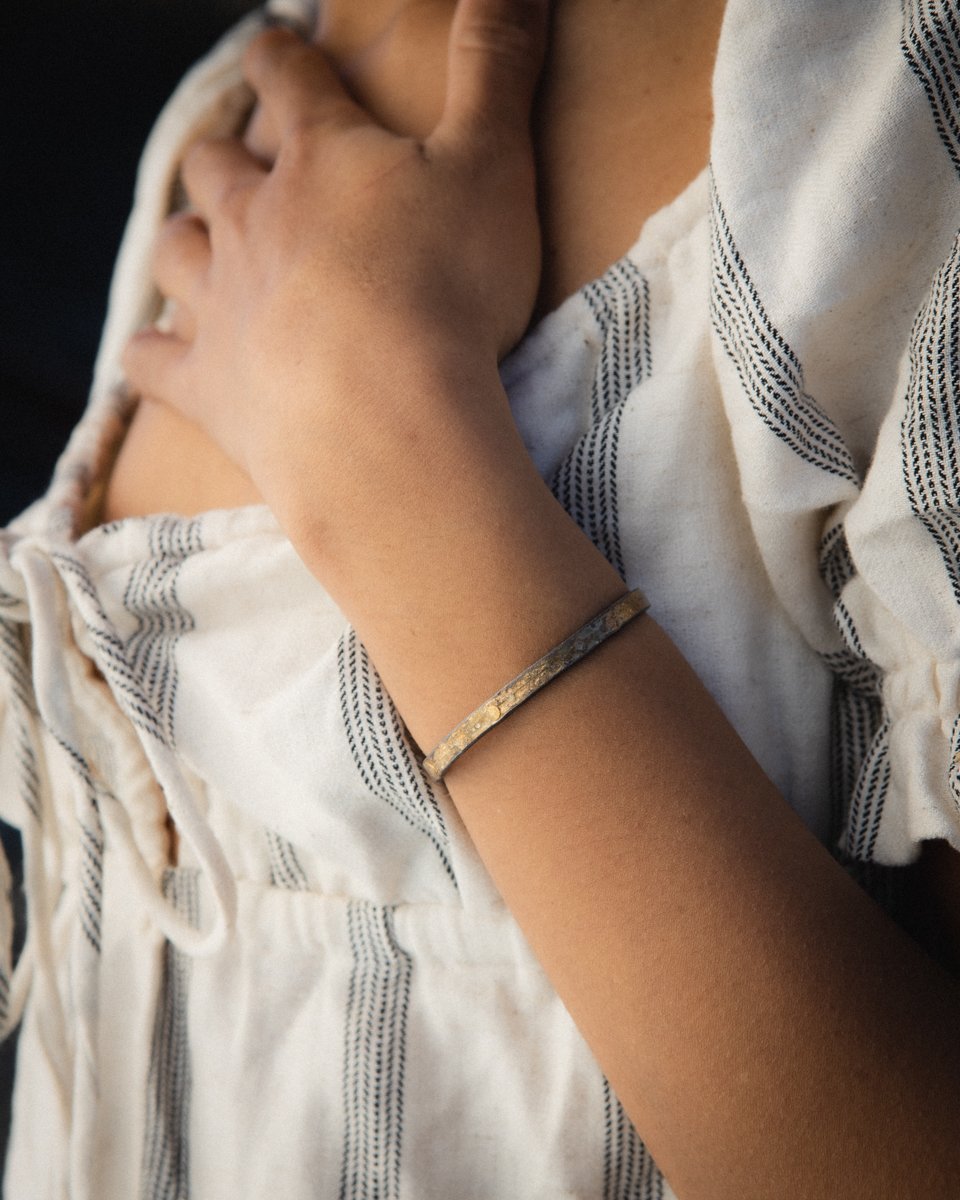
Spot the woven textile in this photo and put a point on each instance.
(754, 415)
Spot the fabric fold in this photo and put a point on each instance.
(745, 413)
(59, 670)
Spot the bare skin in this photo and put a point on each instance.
(623, 124)
(769, 1031)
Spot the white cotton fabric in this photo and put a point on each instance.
(754, 414)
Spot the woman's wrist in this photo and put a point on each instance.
(475, 575)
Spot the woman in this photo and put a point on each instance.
(342, 288)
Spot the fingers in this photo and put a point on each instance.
(296, 85)
(215, 172)
(496, 54)
(151, 361)
(181, 258)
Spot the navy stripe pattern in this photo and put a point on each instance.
(931, 46)
(91, 875)
(381, 749)
(866, 809)
(835, 562)
(955, 762)
(857, 716)
(4, 1001)
(9, 600)
(769, 370)
(374, 1052)
(142, 672)
(91, 842)
(629, 1172)
(859, 766)
(285, 869)
(166, 1152)
(14, 663)
(151, 596)
(930, 433)
(15, 667)
(109, 649)
(585, 483)
(856, 722)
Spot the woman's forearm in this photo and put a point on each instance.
(769, 1030)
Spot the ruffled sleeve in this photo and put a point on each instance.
(902, 606)
(836, 313)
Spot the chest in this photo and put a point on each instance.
(621, 125)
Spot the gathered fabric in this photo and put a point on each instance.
(753, 414)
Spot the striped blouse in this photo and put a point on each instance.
(754, 414)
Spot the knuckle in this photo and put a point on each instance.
(279, 58)
(298, 145)
(195, 162)
(231, 203)
(209, 173)
(311, 133)
(265, 48)
(178, 242)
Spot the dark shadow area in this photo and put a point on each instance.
(80, 84)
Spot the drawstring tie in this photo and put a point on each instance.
(46, 589)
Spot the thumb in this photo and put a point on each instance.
(496, 53)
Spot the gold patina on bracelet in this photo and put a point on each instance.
(577, 646)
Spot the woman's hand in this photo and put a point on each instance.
(356, 258)
(341, 314)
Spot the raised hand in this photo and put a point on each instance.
(304, 286)
(341, 314)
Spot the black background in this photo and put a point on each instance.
(80, 84)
